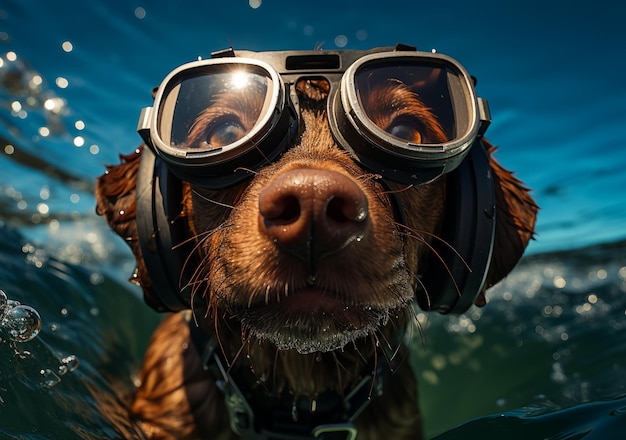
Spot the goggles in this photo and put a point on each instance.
(406, 115)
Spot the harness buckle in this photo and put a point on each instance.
(330, 432)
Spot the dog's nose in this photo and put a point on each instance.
(312, 213)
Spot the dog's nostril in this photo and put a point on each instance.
(335, 210)
(343, 210)
(285, 210)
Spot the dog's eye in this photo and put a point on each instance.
(408, 129)
(223, 132)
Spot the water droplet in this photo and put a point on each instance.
(49, 378)
(70, 362)
(23, 323)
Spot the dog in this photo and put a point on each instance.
(304, 279)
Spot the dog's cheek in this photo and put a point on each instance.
(240, 257)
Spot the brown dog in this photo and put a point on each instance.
(306, 278)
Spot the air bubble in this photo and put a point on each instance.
(22, 323)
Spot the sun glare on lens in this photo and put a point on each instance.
(239, 80)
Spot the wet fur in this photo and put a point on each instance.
(238, 268)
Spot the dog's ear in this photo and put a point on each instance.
(515, 222)
(115, 200)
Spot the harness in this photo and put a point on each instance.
(256, 415)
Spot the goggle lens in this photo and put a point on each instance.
(217, 108)
(413, 101)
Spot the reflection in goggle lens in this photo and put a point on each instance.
(410, 102)
(213, 110)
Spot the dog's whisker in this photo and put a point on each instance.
(198, 238)
(338, 368)
(375, 372)
(397, 191)
(215, 202)
(218, 337)
(384, 340)
(419, 327)
(235, 358)
(423, 288)
(439, 257)
(249, 170)
(416, 234)
(368, 177)
(197, 273)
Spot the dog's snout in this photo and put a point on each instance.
(313, 213)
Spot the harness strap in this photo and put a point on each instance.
(294, 424)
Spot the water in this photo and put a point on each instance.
(544, 360)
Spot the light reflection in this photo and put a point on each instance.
(559, 282)
(54, 105)
(43, 208)
(67, 46)
(79, 141)
(341, 41)
(240, 80)
(140, 13)
(62, 83)
(54, 225)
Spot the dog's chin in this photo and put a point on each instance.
(311, 321)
